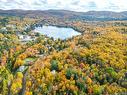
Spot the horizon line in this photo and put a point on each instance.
(63, 10)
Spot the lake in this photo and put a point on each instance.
(57, 32)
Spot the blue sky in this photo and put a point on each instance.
(74, 5)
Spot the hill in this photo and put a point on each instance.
(71, 15)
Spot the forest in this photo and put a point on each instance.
(93, 63)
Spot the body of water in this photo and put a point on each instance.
(57, 32)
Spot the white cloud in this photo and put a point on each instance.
(74, 5)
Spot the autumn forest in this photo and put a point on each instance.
(93, 63)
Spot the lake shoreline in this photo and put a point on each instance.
(58, 32)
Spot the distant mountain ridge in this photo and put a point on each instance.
(72, 15)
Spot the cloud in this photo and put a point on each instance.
(74, 5)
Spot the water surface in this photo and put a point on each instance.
(57, 32)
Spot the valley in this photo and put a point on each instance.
(58, 52)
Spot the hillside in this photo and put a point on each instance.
(71, 15)
(93, 63)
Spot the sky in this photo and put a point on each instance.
(73, 5)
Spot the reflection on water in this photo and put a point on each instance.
(57, 32)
